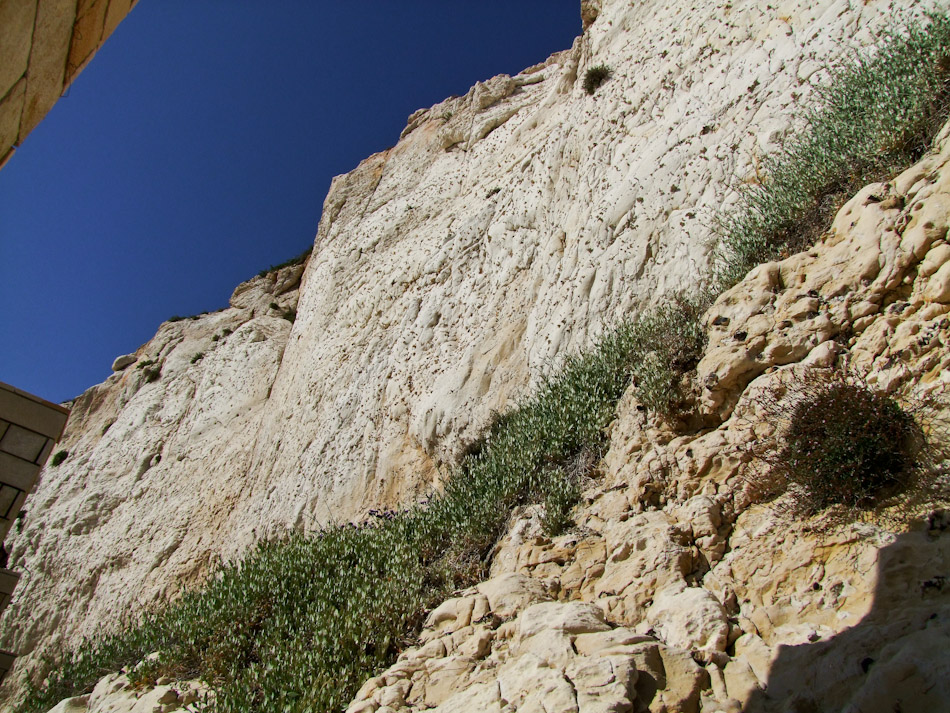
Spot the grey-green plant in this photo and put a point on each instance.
(296, 260)
(302, 621)
(875, 113)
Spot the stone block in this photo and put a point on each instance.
(31, 412)
(17, 472)
(51, 35)
(87, 35)
(16, 34)
(11, 107)
(118, 9)
(22, 443)
(4, 157)
(8, 582)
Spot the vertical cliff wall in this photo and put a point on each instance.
(504, 229)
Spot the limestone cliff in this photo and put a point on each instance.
(505, 228)
(678, 592)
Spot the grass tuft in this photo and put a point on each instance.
(595, 76)
(296, 260)
(58, 458)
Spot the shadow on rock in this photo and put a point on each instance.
(896, 659)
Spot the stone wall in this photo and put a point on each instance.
(44, 45)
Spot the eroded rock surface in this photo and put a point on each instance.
(678, 591)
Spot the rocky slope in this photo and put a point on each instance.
(505, 228)
(678, 590)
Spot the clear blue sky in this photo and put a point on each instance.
(197, 147)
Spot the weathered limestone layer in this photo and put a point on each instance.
(677, 591)
(506, 228)
(44, 45)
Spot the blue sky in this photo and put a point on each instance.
(197, 147)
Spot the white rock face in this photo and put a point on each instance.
(506, 228)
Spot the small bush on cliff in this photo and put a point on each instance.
(838, 442)
(668, 342)
(847, 444)
(875, 114)
(58, 458)
(595, 76)
(296, 260)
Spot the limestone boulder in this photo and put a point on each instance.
(689, 618)
(121, 362)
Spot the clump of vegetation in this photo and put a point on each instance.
(595, 76)
(289, 314)
(562, 489)
(59, 457)
(296, 260)
(197, 357)
(875, 114)
(191, 317)
(152, 374)
(839, 442)
(303, 621)
(669, 342)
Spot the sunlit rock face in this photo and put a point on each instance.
(505, 229)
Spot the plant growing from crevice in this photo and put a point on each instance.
(838, 443)
(296, 260)
(59, 457)
(595, 76)
(668, 342)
